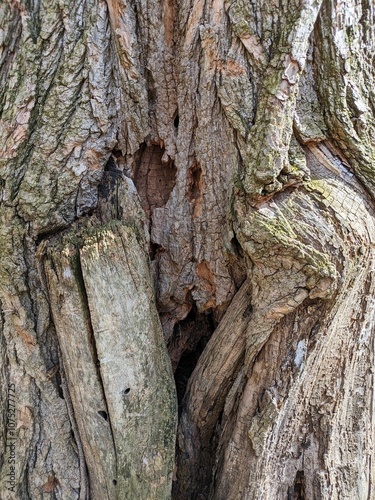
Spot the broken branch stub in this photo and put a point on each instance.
(104, 310)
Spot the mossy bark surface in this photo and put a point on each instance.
(187, 184)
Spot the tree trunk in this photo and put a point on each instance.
(187, 188)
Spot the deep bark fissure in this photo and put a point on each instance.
(191, 336)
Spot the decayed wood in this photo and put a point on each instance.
(134, 364)
(118, 371)
(73, 327)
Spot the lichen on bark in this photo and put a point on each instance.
(246, 130)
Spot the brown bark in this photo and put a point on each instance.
(205, 170)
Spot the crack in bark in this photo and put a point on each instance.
(84, 493)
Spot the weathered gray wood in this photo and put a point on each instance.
(77, 344)
(118, 371)
(134, 365)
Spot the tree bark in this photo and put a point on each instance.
(187, 187)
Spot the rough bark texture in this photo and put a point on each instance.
(203, 169)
